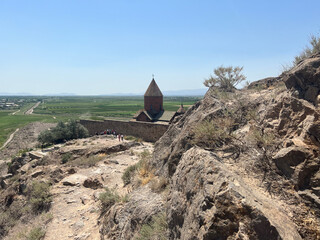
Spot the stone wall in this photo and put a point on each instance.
(149, 132)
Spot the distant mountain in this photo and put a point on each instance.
(15, 94)
(186, 93)
(60, 94)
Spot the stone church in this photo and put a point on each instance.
(153, 107)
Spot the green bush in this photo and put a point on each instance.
(128, 174)
(66, 157)
(36, 234)
(226, 78)
(39, 196)
(63, 132)
(156, 229)
(108, 198)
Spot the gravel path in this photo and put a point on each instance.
(30, 111)
(9, 139)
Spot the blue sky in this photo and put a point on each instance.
(101, 47)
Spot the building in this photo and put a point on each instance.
(153, 107)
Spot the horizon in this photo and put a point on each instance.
(167, 93)
(105, 47)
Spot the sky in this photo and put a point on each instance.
(93, 47)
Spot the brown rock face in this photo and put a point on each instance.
(123, 221)
(287, 158)
(216, 194)
(305, 78)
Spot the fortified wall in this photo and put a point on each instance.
(149, 132)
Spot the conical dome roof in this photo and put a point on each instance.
(153, 90)
(181, 109)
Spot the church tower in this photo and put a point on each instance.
(153, 99)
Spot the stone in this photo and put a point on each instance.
(71, 170)
(122, 221)
(305, 78)
(287, 158)
(74, 180)
(36, 155)
(84, 199)
(37, 173)
(92, 183)
(78, 225)
(3, 184)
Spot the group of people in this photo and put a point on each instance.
(112, 132)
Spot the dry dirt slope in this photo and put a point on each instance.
(94, 163)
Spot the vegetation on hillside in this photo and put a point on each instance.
(226, 78)
(63, 132)
(314, 47)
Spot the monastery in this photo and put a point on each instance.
(153, 107)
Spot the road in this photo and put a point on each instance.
(9, 139)
(30, 111)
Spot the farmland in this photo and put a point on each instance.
(53, 109)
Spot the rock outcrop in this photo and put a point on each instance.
(305, 78)
(261, 183)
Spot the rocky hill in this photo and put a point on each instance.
(241, 165)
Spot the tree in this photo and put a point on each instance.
(226, 78)
(63, 132)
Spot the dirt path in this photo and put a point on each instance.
(9, 139)
(30, 111)
(14, 113)
(75, 208)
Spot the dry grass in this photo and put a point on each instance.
(141, 172)
(85, 161)
(158, 184)
(213, 133)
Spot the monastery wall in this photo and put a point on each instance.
(149, 132)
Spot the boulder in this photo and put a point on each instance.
(305, 78)
(288, 158)
(92, 183)
(37, 173)
(74, 180)
(122, 221)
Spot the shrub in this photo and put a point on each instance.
(262, 139)
(36, 234)
(66, 157)
(130, 138)
(39, 196)
(128, 174)
(108, 198)
(63, 132)
(142, 169)
(226, 78)
(309, 50)
(213, 133)
(159, 184)
(85, 161)
(156, 229)
(6, 222)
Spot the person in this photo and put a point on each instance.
(122, 137)
(119, 137)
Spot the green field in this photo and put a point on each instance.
(53, 109)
